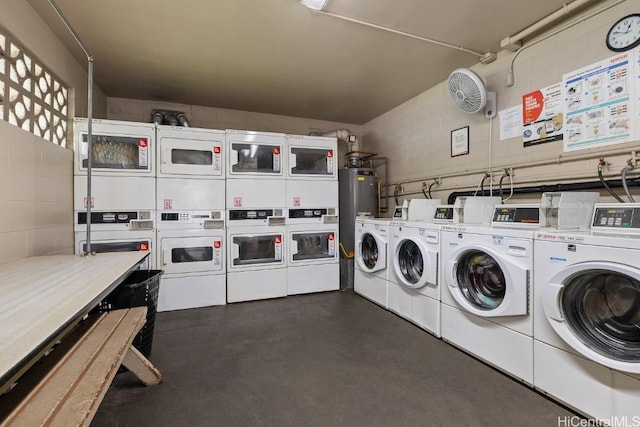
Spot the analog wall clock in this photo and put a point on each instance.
(624, 34)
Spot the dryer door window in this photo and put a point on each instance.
(195, 254)
(410, 261)
(311, 161)
(481, 280)
(369, 251)
(602, 308)
(256, 158)
(255, 250)
(116, 152)
(312, 246)
(191, 157)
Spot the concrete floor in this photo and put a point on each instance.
(331, 359)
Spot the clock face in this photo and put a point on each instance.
(624, 34)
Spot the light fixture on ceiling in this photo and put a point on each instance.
(318, 7)
(314, 4)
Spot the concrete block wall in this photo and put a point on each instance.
(36, 183)
(415, 136)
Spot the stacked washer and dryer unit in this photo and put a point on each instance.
(256, 213)
(190, 206)
(122, 187)
(587, 315)
(312, 214)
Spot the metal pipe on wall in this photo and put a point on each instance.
(545, 162)
(89, 112)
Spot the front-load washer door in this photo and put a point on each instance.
(486, 284)
(414, 265)
(595, 308)
(372, 253)
(192, 254)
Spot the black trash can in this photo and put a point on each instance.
(139, 289)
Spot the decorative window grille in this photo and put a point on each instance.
(31, 96)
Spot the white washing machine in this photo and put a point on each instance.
(486, 308)
(370, 276)
(256, 256)
(193, 261)
(119, 241)
(587, 314)
(313, 263)
(119, 148)
(414, 283)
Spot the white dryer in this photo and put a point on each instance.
(414, 285)
(193, 261)
(186, 152)
(370, 277)
(119, 241)
(256, 260)
(486, 309)
(313, 264)
(587, 314)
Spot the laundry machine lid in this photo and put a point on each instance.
(372, 252)
(487, 284)
(595, 308)
(414, 264)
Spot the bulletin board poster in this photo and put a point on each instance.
(599, 103)
(542, 115)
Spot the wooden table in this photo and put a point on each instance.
(41, 298)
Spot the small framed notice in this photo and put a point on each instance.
(460, 141)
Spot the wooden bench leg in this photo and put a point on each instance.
(141, 367)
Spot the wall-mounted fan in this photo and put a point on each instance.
(469, 94)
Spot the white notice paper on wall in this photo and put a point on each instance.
(510, 122)
(600, 103)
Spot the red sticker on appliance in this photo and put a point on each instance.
(84, 202)
(276, 150)
(278, 240)
(330, 153)
(217, 244)
(217, 150)
(143, 142)
(237, 202)
(168, 203)
(144, 246)
(296, 201)
(331, 236)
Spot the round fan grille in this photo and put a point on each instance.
(467, 90)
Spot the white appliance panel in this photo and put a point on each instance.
(372, 287)
(182, 292)
(119, 148)
(255, 193)
(256, 284)
(311, 194)
(425, 312)
(190, 194)
(115, 193)
(304, 279)
(400, 300)
(190, 152)
(505, 349)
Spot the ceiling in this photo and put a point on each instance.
(277, 56)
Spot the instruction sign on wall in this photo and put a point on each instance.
(600, 102)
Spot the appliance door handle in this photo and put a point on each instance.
(551, 301)
(453, 266)
(294, 247)
(166, 256)
(293, 159)
(235, 156)
(164, 158)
